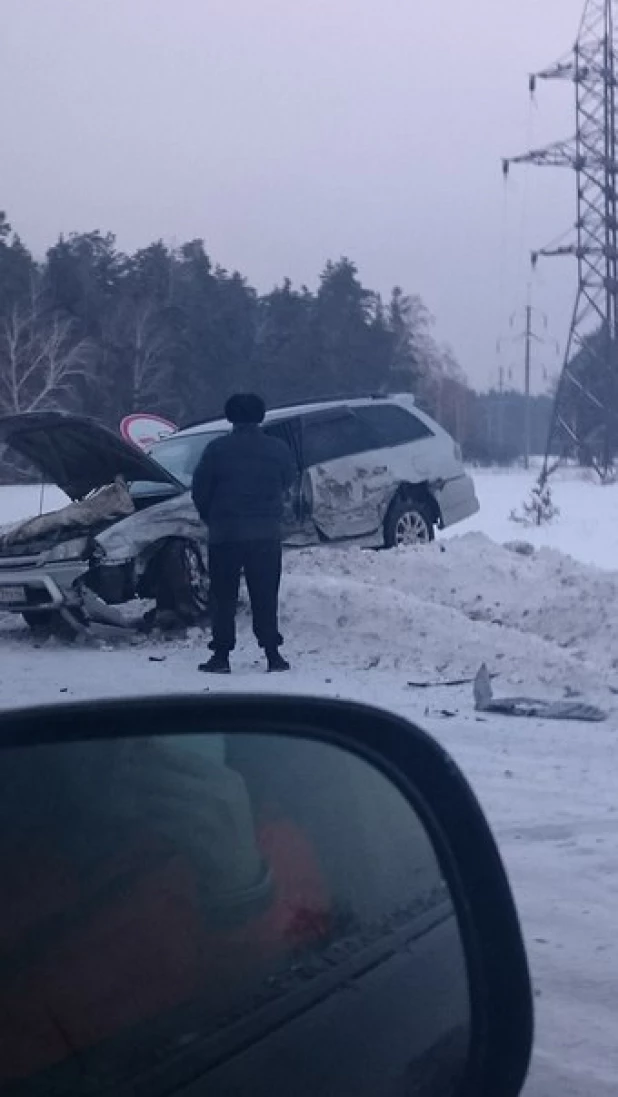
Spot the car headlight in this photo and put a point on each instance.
(68, 550)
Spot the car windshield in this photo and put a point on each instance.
(178, 455)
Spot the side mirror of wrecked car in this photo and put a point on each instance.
(250, 895)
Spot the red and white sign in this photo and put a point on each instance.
(144, 430)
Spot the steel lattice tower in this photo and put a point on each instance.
(585, 416)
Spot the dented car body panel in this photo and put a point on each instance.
(352, 494)
(349, 499)
(137, 537)
(356, 459)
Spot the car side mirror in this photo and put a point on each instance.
(250, 895)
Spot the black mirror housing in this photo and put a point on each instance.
(498, 981)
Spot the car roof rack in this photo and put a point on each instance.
(331, 399)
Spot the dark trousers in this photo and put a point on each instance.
(261, 563)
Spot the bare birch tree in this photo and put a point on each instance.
(42, 363)
(137, 336)
(149, 358)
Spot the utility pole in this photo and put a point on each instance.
(585, 416)
(501, 408)
(527, 386)
(529, 336)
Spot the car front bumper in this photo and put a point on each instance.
(26, 586)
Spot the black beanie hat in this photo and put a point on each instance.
(245, 408)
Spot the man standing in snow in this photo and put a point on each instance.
(238, 491)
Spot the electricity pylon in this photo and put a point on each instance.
(585, 417)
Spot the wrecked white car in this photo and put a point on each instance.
(372, 471)
(54, 569)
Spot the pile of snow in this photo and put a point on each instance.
(543, 620)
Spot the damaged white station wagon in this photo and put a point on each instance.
(375, 471)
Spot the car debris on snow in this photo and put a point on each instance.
(528, 706)
(437, 683)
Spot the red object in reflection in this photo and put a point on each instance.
(144, 951)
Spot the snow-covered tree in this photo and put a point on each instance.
(538, 509)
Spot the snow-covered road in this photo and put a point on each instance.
(365, 625)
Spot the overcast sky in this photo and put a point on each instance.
(286, 132)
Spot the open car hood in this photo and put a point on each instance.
(78, 454)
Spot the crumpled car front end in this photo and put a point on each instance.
(138, 556)
(40, 583)
(45, 561)
(52, 570)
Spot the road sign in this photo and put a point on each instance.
(144, 430)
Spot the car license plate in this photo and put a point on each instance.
(12, 596)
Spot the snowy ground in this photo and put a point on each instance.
(365, 625)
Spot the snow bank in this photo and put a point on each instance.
(543, 621)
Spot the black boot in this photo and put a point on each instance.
(276, 663)
(219, 663)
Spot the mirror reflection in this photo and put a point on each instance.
(250, 914)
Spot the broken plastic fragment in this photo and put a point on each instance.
(527, 706)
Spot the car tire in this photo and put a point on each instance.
(182, 586)
(41, 625)
(409, 522)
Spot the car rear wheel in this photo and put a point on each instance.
(182, 587)
(408, 522)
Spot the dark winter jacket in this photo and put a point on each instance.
(240, 483)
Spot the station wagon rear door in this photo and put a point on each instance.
(351, 484)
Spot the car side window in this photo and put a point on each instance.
(394, 425)
(338, 435)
